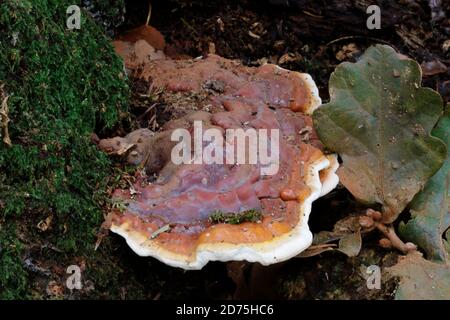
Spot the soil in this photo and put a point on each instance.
(311, 37)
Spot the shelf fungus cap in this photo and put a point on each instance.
(267, 241)
(193, 213)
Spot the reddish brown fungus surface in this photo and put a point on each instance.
(169, 217)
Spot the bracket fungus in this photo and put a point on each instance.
(169, 217)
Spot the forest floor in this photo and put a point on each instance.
(311, 37)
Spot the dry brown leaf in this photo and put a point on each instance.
(4, 119)
(43, 225)
(421, 279)
(147, 33)
(350, 244)
(346, 52)
(315, 250)
(346, 230)
(431, 68)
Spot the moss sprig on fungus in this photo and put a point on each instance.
(62, 86)
(251, 215)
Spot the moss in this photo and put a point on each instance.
(13, 278)
(62, 86)
(251, 215)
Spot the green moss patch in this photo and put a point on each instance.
(62, 86)
(251, 215)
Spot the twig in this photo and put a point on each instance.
(189, 26)
(163, 229)
(312, 14)
(4, 117)
(152, 122)
(147, 111)
(359, 37)
(321, 246)
(372, 221)
(395, 241)
(149, 13)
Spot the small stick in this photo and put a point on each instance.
(147, 111)
(149, 13)
(372, 220)
(359, 37)
(152, 122)
(396, 242)
(4, 118)
(189, 26)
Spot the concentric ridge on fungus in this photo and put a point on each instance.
(168, 219)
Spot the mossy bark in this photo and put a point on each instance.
(62, 86)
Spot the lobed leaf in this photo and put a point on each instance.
(430, 208)
(421, 279)
(379, 121)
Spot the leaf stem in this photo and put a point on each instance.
(373, 220)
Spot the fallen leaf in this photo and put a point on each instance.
(211, 48)
(43, 225)
(55, 289)
(421, 279)
(347, 51)
(137, 53)
(431, 68)
(4, 117)
(253, 35)
(346, 231)
(437, 10)
(315, 250)
(350, 244)
(413, 37)
(430, 208)
(446, 45)
(379, 122)
(221, 25)
(147, 33)
(289, 57)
